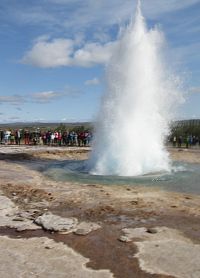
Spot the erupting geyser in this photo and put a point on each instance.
(136, 109)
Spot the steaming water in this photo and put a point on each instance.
(136, 109)
(184, 177)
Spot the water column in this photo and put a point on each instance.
(136, 108)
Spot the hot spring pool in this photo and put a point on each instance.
(184, 177)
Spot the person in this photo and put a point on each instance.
(179, 141)
(52, 138)
(7, 137)
(17, 137)
(190, 140)
(187, 142)
(56, 137)
(26, 137)
(59, 138)
(64, 138)
(1, 136)
(44, 138)
(12, 138)
(174, 141)
(48, 137)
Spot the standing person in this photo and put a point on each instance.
(17, 137)
(26, 137)
(89, 138)
(12, 138)
(56, 137)
(7, 136)
(1, 136)
(52, 138)
(174, 141)
(75, 139)
(64, 138)
(59, 138)
(187, 142)
(48, 137)
(44, 138)
(197, 140)
(190, 140)
(179, 141)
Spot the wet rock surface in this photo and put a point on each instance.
(165, 251)
(55, 223)
(42, 257)
(124, 231)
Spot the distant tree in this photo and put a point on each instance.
(62, 127)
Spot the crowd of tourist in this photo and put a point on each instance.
(73, 138)
(187, 141)
(50, 138)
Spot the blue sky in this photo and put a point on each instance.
(53, 54)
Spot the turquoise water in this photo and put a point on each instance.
(184, 177)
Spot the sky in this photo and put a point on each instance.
(53, 54)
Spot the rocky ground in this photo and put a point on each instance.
(63, 229)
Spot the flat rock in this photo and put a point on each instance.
(42, 257)
(7, 207)
(85, 228)
(55, 223)
(12, 217)
(165, 251)
(130, 234)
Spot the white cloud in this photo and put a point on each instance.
(49, 53)
(61, 2)
(14, 118)
(39, 97)
(44, 97)
(91, 17)
(93, 53)
(62, 52)
(14, 99)
(94, 81)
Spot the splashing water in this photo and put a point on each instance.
(137, 108)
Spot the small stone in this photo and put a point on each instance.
(188, 198)
(152, 219)
(80, 232)
(26, 201)
(85, 228)
(152, 231)
(47, 247)
(124, 239)
(143, 221)
(18, 219)
(134, 202)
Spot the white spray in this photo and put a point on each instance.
(136, 109)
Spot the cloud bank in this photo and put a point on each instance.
(59, 52)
